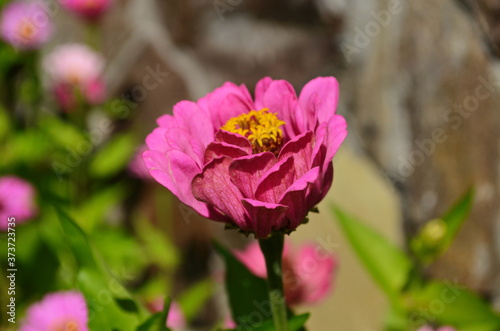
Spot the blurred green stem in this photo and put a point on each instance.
(272, 248)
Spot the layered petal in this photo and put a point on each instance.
(319, 99)
(195, 120)
(227, 101)
(214, 187)
(246, 172)
(276, 181)
(263, 216)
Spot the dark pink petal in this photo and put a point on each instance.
(233, 139)
(226, 102)
(315, 268)
(179, 139)
(195, 120)
(321, 187)
(280, 97)
(264, 217)
(260, 90)
(301, 147)
(247, 171)
(295, 198)
(319, 99)
(276, 181)
(175, 171)
(216, 149)
(214, 186)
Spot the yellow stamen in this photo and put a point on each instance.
(260, 127)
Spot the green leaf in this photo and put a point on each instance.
(452, 304)
(295, 323)
(437, 235)
(113, 157)
(387, 264)
(192, 300)
(248, 297)
(64, 135)
(157, 322)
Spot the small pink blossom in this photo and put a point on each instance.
(25, 25)
(443, 328)
(75, 70)
(307, 273)
(57, 311)
(88, 9)
(259, 164)
(175, 319)
(17, 199)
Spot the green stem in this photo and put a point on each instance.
(272, 248)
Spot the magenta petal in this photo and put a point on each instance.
(319, 98)
(295, 198)
(179, 139)
(301, 149)
(253, 259)
(276, 181)
(175, 171)
(226, 102)
(233, 139)
(156, 140)
(167, 121)
(263, 216)
(329, 137)
(194, 120)
(216, 150)
(214, 186)
(260, 90)
(247, 171)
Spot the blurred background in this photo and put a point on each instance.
(419, 87)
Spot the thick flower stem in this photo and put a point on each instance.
(272, 248)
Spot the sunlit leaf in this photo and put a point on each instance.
(113, 157)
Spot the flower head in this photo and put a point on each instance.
(17, 199)
(75, 70)
(57, 311)
(88, 9)
(258, 164)
(25, 25)
(307, 273)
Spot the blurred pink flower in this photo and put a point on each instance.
(17, 199)
(136, 167)
(307, 273)
(57, 311)
(88, 9)
(259, 164)
(443, 328)
(175, 317)
(75, 70)
(25, 25)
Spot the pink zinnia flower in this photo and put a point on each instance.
(25, 25)
(57, 311)
(17, 199)
(175, 317)
(88, 9)
(258, 164)
(75, 70)
(307, 273)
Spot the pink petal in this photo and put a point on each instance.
(179, 139)
(194, 120)
(175, 171)
(276, 181)
(264, 217)
(233, 139)
(295, 198)
(226, 102)
(301, 149)
(218, 149)
(247, 171)
(253, 259)
(319, 98)
(156, 140)
(167, 121)
(260, 90)
(214, 186)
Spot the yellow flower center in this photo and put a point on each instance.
(67, 326)
(27, 30)
(260, 127)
